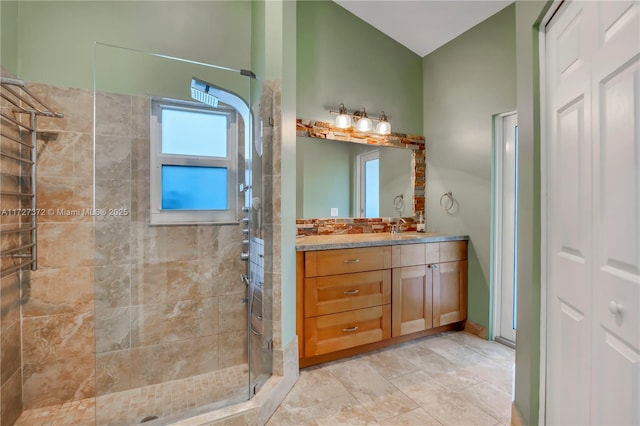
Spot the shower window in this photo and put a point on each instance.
(193, 169)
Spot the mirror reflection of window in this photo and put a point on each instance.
(369, 182)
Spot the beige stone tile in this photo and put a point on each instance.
(112, 286)
(226, 273)
(378, 395)
(315, 385)
(10, 399)
(149, 283)
(10, 355)
(494, 373)
(64, 199)
(232, 313)
(140, 200)
(457, 379)
(65, 245)
(113, 371)
(342, 411)
(291, 416)
(417, 417)
(113, 157)
(189, 357)
(389, 365)
(232, 348)
(490, 399)
(489, 349)
(113, 114)
(58, 291)
(113, 329)
(458, 354)
(189, 280)
(446, 406)
(146, 367)
(55, 337)
(147, 325)
(185, 319)
(58, 381)
(113, 196)
(9, 300)
(427, 361)
(140, 116)
(112, 244)
(75, 104)
(55, 153)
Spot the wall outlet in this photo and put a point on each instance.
(334, 212)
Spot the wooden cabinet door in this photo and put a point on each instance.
(449, 292)
(411, 300)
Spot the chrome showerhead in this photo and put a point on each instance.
(200, 91)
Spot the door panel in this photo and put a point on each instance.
(593, 213)
(569, 218)
(616, 278)
(411, 299)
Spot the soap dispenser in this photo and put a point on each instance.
(420, 225)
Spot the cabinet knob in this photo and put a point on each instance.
(348, 292)
(350, 329)
(615, 308)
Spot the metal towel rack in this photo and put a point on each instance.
(22, 103)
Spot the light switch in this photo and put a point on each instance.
(334, 212)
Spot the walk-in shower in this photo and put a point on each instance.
(149, 303)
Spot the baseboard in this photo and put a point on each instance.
(516, 418)
(475, 329)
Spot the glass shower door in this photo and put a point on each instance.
(171, 317)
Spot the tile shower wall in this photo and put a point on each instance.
(10, 342)
(165, 301)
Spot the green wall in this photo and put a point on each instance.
(342, 59)
(56, 38)
(9, 14)
(466, 82)
(527, 375)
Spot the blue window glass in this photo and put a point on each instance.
(189, 132)
(194, 188)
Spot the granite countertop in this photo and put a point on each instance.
(329, 242)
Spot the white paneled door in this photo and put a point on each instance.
(593, 213)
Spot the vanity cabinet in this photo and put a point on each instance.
(357, 299)
(347, 299)
(429, 286)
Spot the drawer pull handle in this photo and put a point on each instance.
(352, 261)
(350, 329)
(349, 292)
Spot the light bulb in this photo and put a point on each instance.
(383, 127)
(364, 123)
(343, 120)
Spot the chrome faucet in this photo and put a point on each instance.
(399, 227)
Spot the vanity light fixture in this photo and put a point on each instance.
(343, 120)
(363, 123)
(383, 127)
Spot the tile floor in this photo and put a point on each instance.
(449, 379)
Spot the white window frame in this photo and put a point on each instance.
(361, 160)
(159, 216)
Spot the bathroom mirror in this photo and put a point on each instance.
(328, 179)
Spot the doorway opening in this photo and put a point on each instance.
(505, 224)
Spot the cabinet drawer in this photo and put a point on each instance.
(414, 254)
(338, 293)
(345, 261)
(452, 251)
(330, 333)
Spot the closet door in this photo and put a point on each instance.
(593, 213)
(615, 88)
(569, 250)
